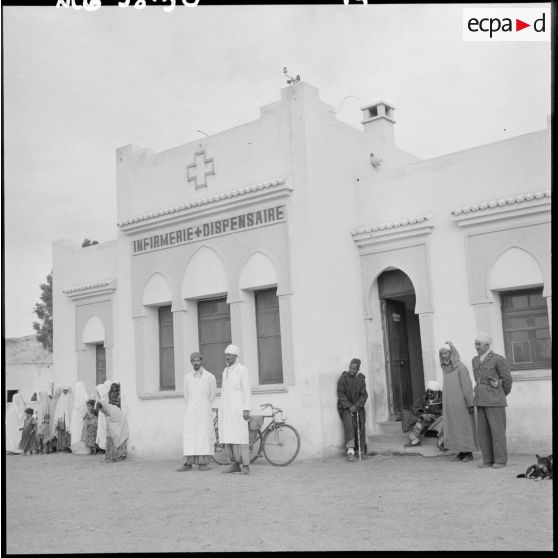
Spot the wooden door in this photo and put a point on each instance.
(397, 357)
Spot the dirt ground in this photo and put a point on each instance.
(66, 503)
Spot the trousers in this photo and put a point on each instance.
(239, 453)
(491, 427)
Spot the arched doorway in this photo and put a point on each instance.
(402, 342)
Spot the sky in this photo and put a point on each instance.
(77, 85)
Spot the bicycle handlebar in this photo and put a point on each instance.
(265, 405)
(274, 410)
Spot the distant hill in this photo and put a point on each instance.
(26, 350)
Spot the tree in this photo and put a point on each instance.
(86, 242)
(44, 313)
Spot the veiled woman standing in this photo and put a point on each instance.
(458, 410)
(52, 411)
(101, 440)
(62, 420)
(78, 412)
(14, 421)
(116, 429)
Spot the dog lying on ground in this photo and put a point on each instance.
(542, 469)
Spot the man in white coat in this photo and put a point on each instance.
(200, 388)
(235, 411)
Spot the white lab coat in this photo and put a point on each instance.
(199, 393)
(235, 397)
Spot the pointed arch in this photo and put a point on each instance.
(157, 291)
(257, 272)
(516, 267)
(205, 275)
(421, 290)
(94, 331)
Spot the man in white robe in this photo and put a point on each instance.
(200, 388)
(234, 412)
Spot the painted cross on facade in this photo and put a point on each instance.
(200, 170)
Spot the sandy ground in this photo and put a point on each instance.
(65, 503)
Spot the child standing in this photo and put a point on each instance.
(28, 435)
(114, 394)
(43, 423)
(90, 427)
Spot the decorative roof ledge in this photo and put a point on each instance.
(503, 208)
(91, 289)
(404, 228)
(232, 198)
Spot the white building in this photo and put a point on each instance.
(307, 242)
(28, 368)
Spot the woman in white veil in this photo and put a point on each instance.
(76, 422)
(14, 421)
(63, 419)
(102, 393)
(117, 432)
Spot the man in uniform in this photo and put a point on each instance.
(235, 412)
(351, 397)
(493, 384)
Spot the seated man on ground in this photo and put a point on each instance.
(425, 416)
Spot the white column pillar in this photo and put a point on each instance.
(139, 326)
(287, 349)
(181, 351)
(429, 363)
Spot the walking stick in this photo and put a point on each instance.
(358, 434)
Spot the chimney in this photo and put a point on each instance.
(377, 121)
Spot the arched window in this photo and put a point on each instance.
(517, 278)
(157, 301)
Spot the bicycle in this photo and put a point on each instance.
(278, 442)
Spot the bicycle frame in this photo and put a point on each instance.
(262, 433)
(264, 439)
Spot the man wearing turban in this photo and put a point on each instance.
(200, 388)
(234, 412)
(493, 383)
(459, 418)
(351, 397)
(425, 416)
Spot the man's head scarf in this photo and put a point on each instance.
(433, 385)
(194, 355)
(232, 350)
(454, 353)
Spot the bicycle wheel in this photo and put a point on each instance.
(255, 447)
(281, 444)
(220, 455)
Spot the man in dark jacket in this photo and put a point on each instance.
(493, 382)
(351, 397)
